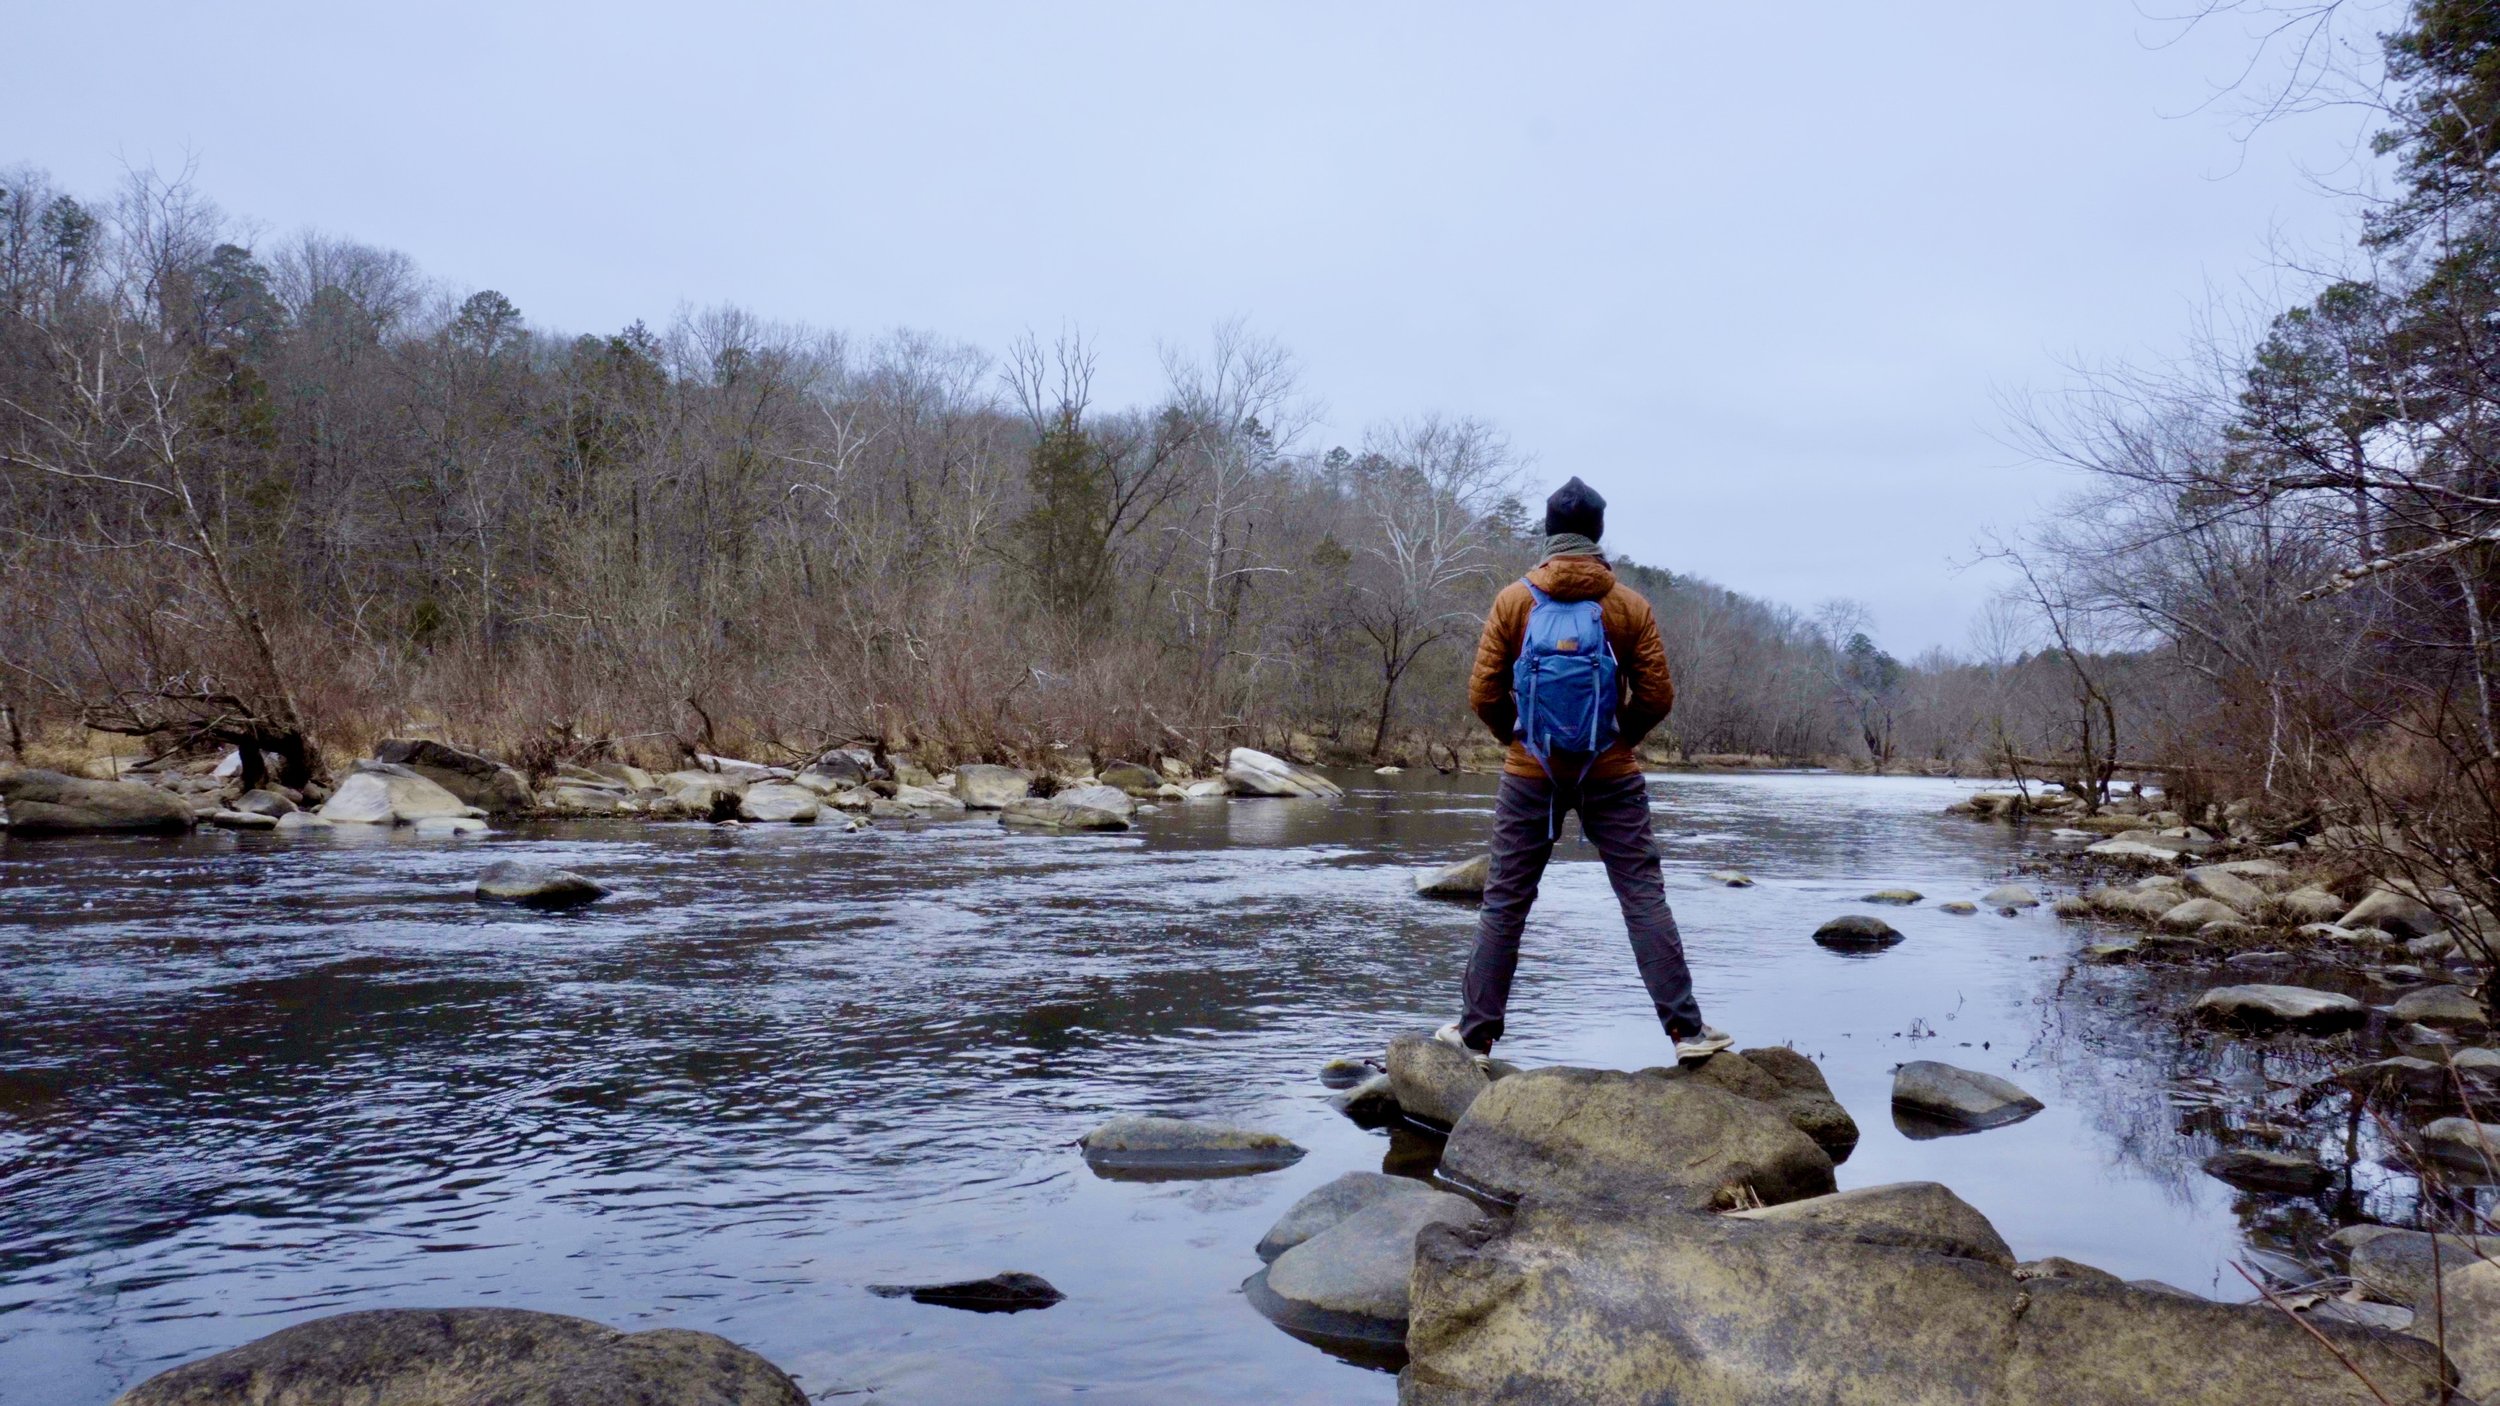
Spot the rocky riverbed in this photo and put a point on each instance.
(262, 1078)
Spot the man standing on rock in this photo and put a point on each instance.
(1570, 674)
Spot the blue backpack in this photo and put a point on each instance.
(1564, 682)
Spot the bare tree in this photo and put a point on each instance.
(1425, 488)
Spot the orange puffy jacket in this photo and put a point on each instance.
(1632, 630)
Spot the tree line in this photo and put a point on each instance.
(2301, 519)
(293, 494)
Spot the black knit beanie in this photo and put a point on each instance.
(1576, 507)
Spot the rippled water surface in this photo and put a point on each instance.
(246, 1081)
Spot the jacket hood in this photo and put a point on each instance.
(1574, 578)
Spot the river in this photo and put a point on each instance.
(246, 1081)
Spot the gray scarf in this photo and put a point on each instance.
(1570, 544)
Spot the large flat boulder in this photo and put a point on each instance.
(46, 803)
(476, 779)
(981, 786)
(470, 1357)
(1250, 772)
(2440, 1007)
(779, 801)
(386, 793)
(2267, 1007)
(2222, 884)
(1621, 1303)
(1564, 1132)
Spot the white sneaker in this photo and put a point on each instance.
(1710, 1041)
(1448, 1035)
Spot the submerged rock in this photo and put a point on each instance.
(537, 885)
(1155, 1148)
(2010, 896)
(242, 820)
(440, 826)
(422, 1356)
(1465, 879)
(2260, 1007)
(1349, 1280)
(1332, 1203)
(1959, 907)
(2255, 1169)
(1899, 897)
(1731, 878)
(39, 802)
(1963, 1097)
(1434, 1081)
(1565, 1132)
(1011, 1292)
(1857, 932)
(1249, 772)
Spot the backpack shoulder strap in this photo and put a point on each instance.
(1541, 597)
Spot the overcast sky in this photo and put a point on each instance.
(1757, 272)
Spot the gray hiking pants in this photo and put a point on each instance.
(1614, 815)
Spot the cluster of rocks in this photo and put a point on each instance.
(441, 789)
(2068, 813)
(1677, 1234)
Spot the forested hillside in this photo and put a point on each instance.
(293, 489)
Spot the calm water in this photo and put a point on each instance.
(246, 1081)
